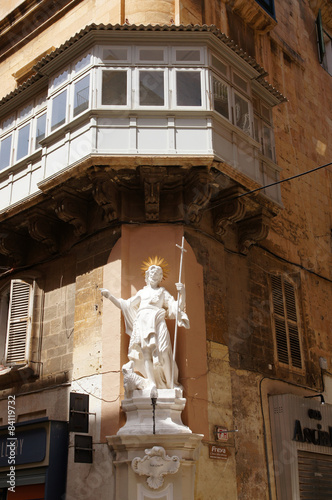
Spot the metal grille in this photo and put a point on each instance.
(315, 476)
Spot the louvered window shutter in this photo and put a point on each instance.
(19, 320)
(286, 322)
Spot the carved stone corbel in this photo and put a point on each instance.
(72, 210)
(230, 211)
(198, 191)
(152, 178)
(105, 195)
(43, 229)
(12, 245)
(252, 230)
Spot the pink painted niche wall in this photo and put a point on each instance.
(123, 277)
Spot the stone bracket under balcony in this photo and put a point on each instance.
(212, 198)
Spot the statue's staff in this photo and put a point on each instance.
(177, 309)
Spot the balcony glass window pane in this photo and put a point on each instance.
(151, 88)
(40, 129)
(220, 97)
(60, 78)
(188, 88)
(25, 112)
(220, 66)
(23, 142)
(9, 122)
(115, 54)
(151, 55)
(114, 88)
(81, 95)
(241, 117)
(59, 105)
(240, 82)
(188, 55)
(5, 150)
(82, 63)
(267, 142)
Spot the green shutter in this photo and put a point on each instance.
(320, 36)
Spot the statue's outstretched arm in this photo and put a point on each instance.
(106, 293)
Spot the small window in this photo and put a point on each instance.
(81, 95)
(62, 78)
(115, 54)
(114, 88)
(220, 97)
(59, 108)
(151, 88)
(188, 88)
(188, 55)
(23, 141)
(5, 152)
(150, 55)
(82, 63)
(240, 82)
(40, 129)
(241, 113)
(8, 123)
(219, 66)
(25, 112)
(286, 322)
(268, 149)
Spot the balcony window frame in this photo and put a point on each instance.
(185, 63)
(128, 72)
(136, 86)
(173, 78)
(149, 62)
(27, 123)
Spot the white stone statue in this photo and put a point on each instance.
(150, 349)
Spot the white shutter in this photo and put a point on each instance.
(19, 321)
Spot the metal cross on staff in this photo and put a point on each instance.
(177, 309)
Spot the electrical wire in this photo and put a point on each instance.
(267, 186)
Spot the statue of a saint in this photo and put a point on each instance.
(150, 350)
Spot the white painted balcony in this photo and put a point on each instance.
(117, 101)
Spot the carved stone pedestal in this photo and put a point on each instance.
(139, 413)
(154, 466)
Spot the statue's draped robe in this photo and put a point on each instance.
(145, 314)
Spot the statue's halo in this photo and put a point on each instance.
(155, 261)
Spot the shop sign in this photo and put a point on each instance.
(312, 436)
(218, 452)
(30, 447)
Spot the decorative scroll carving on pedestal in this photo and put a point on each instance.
(199, 189)
(12, 246)
(230, 211)
(152, 178)
(42, 229)
(71, 209)
(106, 195)
(252, 230)
(155, 464)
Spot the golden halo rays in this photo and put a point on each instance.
(155, 261)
